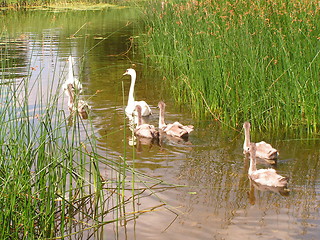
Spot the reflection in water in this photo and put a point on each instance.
(148, 142)
(283, 191)
(14, 68)
(175, 141)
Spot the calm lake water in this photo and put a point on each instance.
(214, 199)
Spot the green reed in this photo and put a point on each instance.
(238, 61)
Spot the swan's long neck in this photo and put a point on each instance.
(161, 116)
(131, 91)
(252, 167)
(246, 144)
(71, 95)
(70, 68)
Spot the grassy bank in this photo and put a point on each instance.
(248, 60)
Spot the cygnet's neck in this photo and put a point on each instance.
(252, 167)
(246, 144)
(138, 109)
(161, 116)
(71, 95)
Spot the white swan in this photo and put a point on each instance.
(80, 106)
(264, 150)
(175, 129)
(144, 130)
(71, 79)
(267, 177)
(130, 109)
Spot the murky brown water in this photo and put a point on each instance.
(215, 200)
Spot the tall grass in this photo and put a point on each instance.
(50, 179)
(242, 60)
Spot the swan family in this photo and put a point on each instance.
(267, 178)
(139, 109)
(135, 110)
(264, 178)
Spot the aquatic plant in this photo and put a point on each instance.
(238, 61)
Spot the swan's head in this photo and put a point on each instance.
(70, 86)
(246, 125)
(130, 71)
(70, 90)
(138, 109)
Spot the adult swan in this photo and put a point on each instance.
(131, 107)
(71, 79)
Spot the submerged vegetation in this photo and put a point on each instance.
(242, 60)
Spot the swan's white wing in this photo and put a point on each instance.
(145, 109)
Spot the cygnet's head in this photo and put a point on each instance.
(138, 109)
(130, 71)
(246, 125)
(161, 105)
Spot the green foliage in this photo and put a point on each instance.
(243, 60)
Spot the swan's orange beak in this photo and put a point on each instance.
(126, 73)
